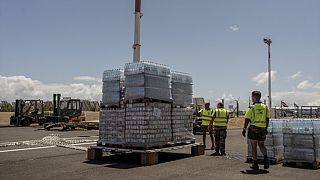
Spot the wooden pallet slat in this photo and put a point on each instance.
(302, 164)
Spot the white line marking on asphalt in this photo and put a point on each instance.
(84, 143)
(26, 149)
(45, 147)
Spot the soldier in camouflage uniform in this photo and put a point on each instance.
(219, 122)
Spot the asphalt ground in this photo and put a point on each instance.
(20, 160)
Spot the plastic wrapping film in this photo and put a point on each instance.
(148, 92)
(147, 80)
(180, 77)
(178, 88)
(181, 88)
(110, 86)
(145, 67)
(184, 100)
(148, 124)
(113, 83)
(182, 124)
(302, 140)
(111, 98)
(113, 75)
(112, 126)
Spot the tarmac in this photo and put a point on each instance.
(25, 155)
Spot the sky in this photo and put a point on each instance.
(63, 46)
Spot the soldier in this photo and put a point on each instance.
(219, 122)
(206, 116)
(258, 117)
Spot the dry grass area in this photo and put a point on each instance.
(236, 123)
(5, 118)
(92, 115)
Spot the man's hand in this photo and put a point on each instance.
(266, 130)
(244, 130)
(211, 127)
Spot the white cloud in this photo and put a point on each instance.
(317, 86)
(234, 27)
(21, 87)
(305, 85)
(296, 75)
(87, 78)
(263, 77)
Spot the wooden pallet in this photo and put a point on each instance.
(146, 100)
(273, 161)
(301, 164)
(149, 147)
(148, 157)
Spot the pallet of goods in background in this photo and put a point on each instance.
(302, 142)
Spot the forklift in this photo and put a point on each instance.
(67, 114)
(28, 112)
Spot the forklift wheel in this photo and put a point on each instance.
(26, 122)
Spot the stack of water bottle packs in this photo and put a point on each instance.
(148, 124)
(182, 124)
(302, 140)
(112, 87)
(112, 126)
(147, 80)
(273, 143)
(181, 88)
(148, 118)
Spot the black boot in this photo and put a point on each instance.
(255, 165)
(222, 153)
(266, 162)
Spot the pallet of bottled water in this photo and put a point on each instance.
(273, 143)
(181, 88)
(301, 140)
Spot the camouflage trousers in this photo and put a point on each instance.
(220, 135)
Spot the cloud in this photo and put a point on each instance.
(305, 85)
(86, 78)
(296, 75)
(234, 27)
(21, 87)
(263, 77)
(317, 86)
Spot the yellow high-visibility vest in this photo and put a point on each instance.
(258, 115)
(206, 116)
(221, 116)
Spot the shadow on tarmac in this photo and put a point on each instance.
(255, 172)
(132, 160)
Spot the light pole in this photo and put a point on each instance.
(237, 101)
(268, 42)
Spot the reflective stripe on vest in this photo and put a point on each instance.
(206, 115)
(259, 115)
(220, 119)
